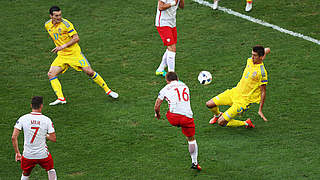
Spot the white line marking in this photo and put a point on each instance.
(258, 21)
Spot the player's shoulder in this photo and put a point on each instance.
(249, 60)
(23, 118)
(26, 116)
(66, 22)
(44, 117)
(46, 24)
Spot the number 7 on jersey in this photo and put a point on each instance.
(35, 133)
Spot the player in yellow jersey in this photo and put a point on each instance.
(250, 89)
(66, 39)
(248, 6)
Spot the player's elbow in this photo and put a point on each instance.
(53, 139)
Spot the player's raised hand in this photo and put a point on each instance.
(262, 116)
(18, 157)
(266, 51)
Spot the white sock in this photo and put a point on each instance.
(52, 175)
(163, 63)
(193, 149)
(23, 177)
(171, 60)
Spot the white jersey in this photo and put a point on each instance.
(167, 17)
(178, 96)
(35, 127)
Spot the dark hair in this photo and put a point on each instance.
(36, 102)
(171, 76)
(258, 49)
(54, 8)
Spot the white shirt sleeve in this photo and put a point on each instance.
(18, 124)
(161, 94)
(50, 126)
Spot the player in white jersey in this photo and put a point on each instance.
(177, 94)
(37, 128)
(166, 25)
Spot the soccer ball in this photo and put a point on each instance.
(205, 77)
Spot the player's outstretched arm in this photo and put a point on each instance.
(157, 108)
(266, 51)
(263, 89)
(52, 137)
(14, 139)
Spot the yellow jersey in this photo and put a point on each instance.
(248, 89)
(62, 33)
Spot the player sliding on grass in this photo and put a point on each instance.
(248, 6)
(250, 89)
(37, 128)
(176, 93)
(166, 26)
(69, 53)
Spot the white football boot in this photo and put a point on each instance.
(112, 94)
(215, 4)
(58, 101)
(248, 7)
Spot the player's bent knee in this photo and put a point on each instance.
(51, 75)
(90, 73)
(222, 121)
(172, 48)
(191, 138)
(26, 173)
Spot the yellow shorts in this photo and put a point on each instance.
(77, 62)
(228, 98)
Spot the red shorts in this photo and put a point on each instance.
(186, 124)
(168, 35)
(28, 164)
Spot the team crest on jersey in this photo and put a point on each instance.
(254, 74)
(168, 40)
(59, 31)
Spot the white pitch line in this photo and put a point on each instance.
(258, 21)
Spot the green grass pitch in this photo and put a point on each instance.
(101, 138)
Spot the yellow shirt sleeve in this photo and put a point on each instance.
(264, 75)
(70, 28)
